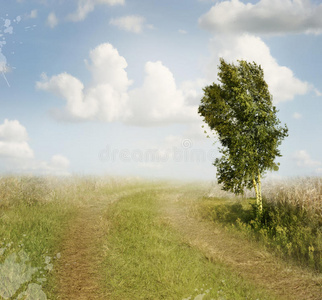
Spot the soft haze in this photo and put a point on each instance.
(113, 86)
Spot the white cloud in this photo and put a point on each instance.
(107, 98)
(17, 155)
(192, 90)
(129, 23)
(264, 17)
(108, 66)
(52, 20)
(281, 81)
(159, 100)
(303, 159)
(59, 162)
(234, 24)
(15, 150)
(13, 140)
(13, 131)
(84, 7)
(297, 116)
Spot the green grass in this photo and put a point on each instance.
(35, 213)
(31, 230)
(146, 259)
(289, 230)
(36, 230)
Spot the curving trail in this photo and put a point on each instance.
(82, 253)
(247, 259)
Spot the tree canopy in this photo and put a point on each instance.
(240, 110)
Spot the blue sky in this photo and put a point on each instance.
(113, 86)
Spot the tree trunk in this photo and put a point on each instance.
(260, 200)
(258, 187)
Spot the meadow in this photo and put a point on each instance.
(126, 238)
(291, 224)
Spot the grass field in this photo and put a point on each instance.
(124, 238)
(292, 219)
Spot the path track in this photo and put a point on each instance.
(80, 256)
(249, 260)
(82, 252)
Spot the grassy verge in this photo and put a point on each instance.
(291, 227)
(35, 216)
(31, 227)
(146, 259)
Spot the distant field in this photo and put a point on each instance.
(124, 238)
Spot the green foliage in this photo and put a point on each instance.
(241, 112)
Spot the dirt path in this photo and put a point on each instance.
(250, 261)
(80, 255)
(82, 252)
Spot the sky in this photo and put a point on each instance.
(112, 87)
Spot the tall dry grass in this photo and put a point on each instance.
(304, 193)
(291, 222)
(30, 190)
(301, 192)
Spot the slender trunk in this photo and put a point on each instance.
(257, 187)
(260, 200)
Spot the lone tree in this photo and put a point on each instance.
(240, 110)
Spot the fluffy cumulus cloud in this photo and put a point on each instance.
(303, 159)
(159, 100)
(129, 23)
(192, 90)
(14, 140)
(16, 154)
(282, 82)
(84, 7)
(107, 97)
(264, 17)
